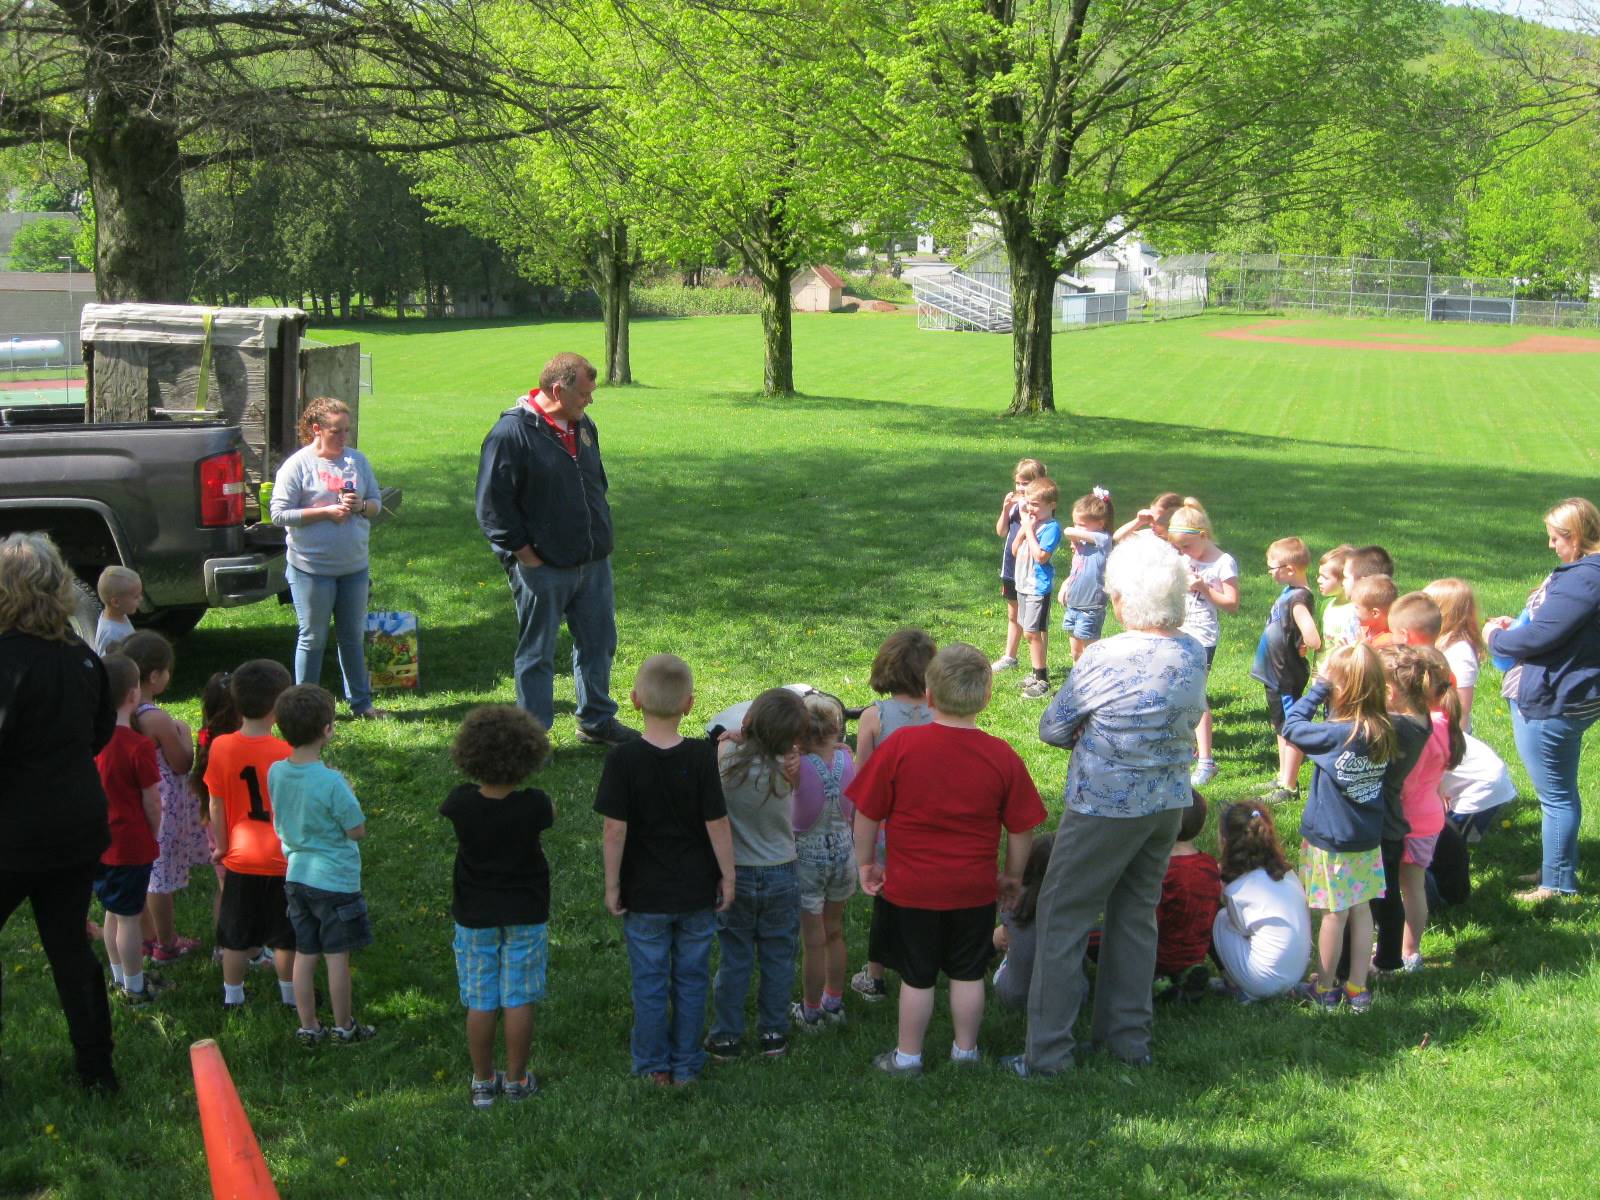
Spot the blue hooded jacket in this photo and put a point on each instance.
(1558, 650)
(1344, 809)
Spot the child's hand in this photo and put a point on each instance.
(725, 894)
(871, 876)
(218, 855)
(736, 736)
(1197, 585)
(1145, 517)
(614, 901)
(1002, 939)
(1010, 891)
(1062, 598)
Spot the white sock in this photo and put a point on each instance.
(134, 982)
(286, 992)
(907, 1060)
(957, 1054)
(116, 973)
(233, 993)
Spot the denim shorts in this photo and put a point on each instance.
(1084, 623)
(122, 889)
(826, 865)
(501, 967)
(327, 922)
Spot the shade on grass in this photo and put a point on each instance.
(770, 542)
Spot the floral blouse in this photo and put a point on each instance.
(1128, 714)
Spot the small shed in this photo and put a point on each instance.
(816, 289)
(246, 366)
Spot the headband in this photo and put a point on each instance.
(1187, 529)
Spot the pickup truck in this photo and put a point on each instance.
(166, 498)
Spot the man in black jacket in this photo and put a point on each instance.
(542, 505)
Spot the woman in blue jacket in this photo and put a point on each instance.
(1554, 684)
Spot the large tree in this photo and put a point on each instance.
(146, 90)
(1066, 121)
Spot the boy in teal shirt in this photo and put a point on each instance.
(319, 822)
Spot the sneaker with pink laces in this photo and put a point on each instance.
(180, 948)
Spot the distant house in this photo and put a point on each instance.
(816, 289)
(46, 304)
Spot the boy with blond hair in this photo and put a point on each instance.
(668, 850)
(952, 791)
(1036, 545)
(120, 590)
(1373, 596)
(1280, 663)
(1415, 620)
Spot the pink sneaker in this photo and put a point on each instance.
(181, 948)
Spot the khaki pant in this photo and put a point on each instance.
(1109, 865)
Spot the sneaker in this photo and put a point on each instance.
(886, 1063)
(811, 1022)
(371, 714)
(154, 986)
(1014, 1064)
(484, 1091)
(1411, 963)
(354, 1032)
(311, 1037)
(723, 1049)
(1005, 662)
(868, 986)
(1358, 1000)
(660, 1078)
(1307, 992)
(774, 1044)
(610, 732)
(975, 1059)
(834, 1016)
(516, 1092)
(1205, 770)
(180, 948)
(232, 1006)
(1281, 795)
(1035, 688)
(264, 959)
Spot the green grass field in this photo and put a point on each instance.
(770, 542)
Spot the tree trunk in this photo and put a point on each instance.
(614, 277)
(136, 179)
(777, 330)
(1033, 283)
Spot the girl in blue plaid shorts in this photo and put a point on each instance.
(501, 893)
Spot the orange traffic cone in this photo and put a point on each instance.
(238, 1172)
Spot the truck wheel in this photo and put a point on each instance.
(86, 610)
(173, 623)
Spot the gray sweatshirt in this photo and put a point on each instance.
(307, 481)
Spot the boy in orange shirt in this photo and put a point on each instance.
(254, 911)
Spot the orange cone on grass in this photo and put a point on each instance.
(238, 1172)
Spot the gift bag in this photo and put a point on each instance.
(391, 649)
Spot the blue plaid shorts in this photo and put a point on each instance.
(501, 967)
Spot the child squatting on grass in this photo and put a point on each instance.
(500, 892)
(950, 791)
(668, 868)
(319, 822)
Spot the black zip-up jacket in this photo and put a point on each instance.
(531, 492)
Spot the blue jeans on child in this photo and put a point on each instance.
(1550, 747)
(762, 923)
(669, 956)
(343, 598)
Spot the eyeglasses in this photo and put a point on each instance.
(1274, 568)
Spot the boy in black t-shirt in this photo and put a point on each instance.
(669, 870)
(500, 897)
(1280, 663)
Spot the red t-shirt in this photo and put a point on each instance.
(950, 793)
(236, 775)
(1190, 896)
(127, 766)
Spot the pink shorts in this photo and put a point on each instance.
(1419, 851)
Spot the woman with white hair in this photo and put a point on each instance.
(56, 713)
(1128, 714)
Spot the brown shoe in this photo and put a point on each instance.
(371, 714)
(1538, 895)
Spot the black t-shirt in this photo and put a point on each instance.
(665, 797)
(56, 714)
(1279, 662)
(501, 875)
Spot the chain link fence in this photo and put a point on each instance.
(1364, 287)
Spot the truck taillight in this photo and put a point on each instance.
(222, 489)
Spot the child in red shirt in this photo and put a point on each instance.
(952, 790)
(1191, 894)
(129, 774)
(1373, 597)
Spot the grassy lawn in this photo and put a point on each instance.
(775, 542)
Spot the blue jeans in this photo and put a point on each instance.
(546, 596)
(762, 923)
(669, 955)
(343, 598)
(1550, 747)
